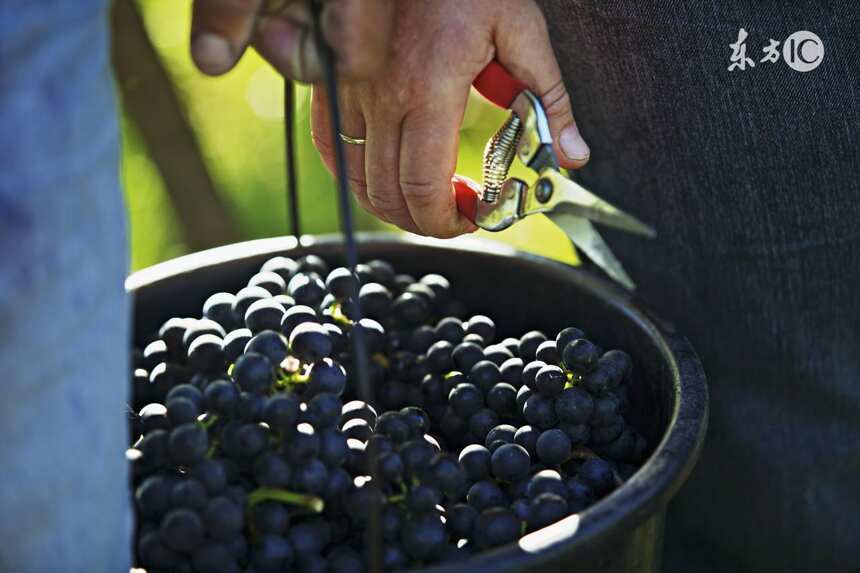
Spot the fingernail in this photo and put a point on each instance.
(572, 144)
(212, 53)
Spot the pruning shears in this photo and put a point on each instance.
(503, 200)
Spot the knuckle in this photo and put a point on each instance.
(358, 186)
(556, 101)
(424, 196)
(386, 200)
(419, 192)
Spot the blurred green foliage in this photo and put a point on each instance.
(238, 120)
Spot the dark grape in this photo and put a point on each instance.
(212, 474)
(182, 530)
(187, 444)
(597, 474)
(485, 494)
(234, 344)
(460, 520)
(310, 342)
(272, 470)
(295, 316)
(152, 497)
(581, 356)
(154, 553)
(510, 462)
(423, 498)
(423, 537)
(223, 519)
(546, 352)
(341, 283)
(270, 344)
(485, 375)
(272, 554)
(539, 411)
(475, 460)
(269, 280)
(264, 314)
(597, 382)
(375, 300)
(502, 399)
(546, 481)
(483, 326)
(451, 330)
(481, 422)
(311, 477)
(245, 298)
(527, 437)
(496, 526)
(284, 266)
(545, 509)
(411, 309)
(190, 494)
(550, 380)
(215, 558)
(254, 373)
(498, 355)
(529, 343)
(306, 288)
(466, 399)
(154, 354)
(553, 447)
(567, 336)
(574, 406)
(512, 371)
(281, 411)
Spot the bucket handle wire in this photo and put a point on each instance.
(347, 224)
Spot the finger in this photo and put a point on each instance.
(382, 158)
(321, 135)
(220, 32)
(288, 44)
(428, 157)
(359, 32)
(523, 47)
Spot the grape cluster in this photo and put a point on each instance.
(253, 453)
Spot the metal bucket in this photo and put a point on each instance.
(622, 532)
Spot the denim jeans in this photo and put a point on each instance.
(752, 179)
(63, 310)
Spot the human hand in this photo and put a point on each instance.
(410, 113)
(281, 31)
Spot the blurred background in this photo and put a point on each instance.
(203, 159)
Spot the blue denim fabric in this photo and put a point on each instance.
(752, 179)
(64, 320)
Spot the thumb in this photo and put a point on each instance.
(523, 48)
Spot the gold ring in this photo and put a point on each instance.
(352, 140)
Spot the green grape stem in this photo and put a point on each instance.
(305, 501)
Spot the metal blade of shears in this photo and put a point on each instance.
(588, 240)
(570, 197)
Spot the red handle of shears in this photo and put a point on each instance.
(497, 85)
